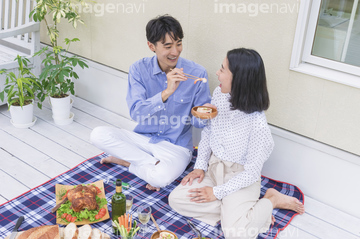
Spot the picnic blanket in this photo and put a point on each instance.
(36, 204)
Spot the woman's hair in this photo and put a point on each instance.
(248, 88)
(157, 28)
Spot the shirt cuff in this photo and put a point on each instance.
(218, 192)
(200, 166)
(199, 123)
(157, 102)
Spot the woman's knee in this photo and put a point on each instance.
(177, 197)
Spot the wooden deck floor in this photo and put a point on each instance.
(29, 157)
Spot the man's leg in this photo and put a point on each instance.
(125, 147)
(171, 163)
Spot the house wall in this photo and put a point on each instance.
(114, 35)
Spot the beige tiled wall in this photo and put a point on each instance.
(309, 106)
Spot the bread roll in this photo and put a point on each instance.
(43, 232)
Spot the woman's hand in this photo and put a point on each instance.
(174, 77)
(196, 173)
(201, 195)
(210, 105)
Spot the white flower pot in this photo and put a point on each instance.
(66, 121)
(61, 110)
(22, 117)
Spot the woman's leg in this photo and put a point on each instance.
(283, 201)
(206, 212)
(243, 215)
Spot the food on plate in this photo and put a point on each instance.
(204, 80)
(166, 235)
(84, 205)
(48, 232)
(83, 197)
(204, 110)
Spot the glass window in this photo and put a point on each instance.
(327, 40)
(337, 35)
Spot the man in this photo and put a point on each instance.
(160, 98)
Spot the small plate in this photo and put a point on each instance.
(211, 115)
(23, 126)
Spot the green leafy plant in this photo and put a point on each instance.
(20, 88)
(56, 77)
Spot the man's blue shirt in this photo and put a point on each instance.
(170, 120)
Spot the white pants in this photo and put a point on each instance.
(242, 214)
(142, 155)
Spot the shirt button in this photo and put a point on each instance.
(166, 82)
(160, 131)
(158, 134)
(181, 100)
(164, 108)
(159, 106)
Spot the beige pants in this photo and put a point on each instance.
(242, 214)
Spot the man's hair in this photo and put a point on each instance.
(248, 88)
(157, 28)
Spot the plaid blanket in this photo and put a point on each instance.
(36, 204)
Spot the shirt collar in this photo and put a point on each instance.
(156, 67)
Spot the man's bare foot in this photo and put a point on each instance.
(112, 159)
(148, 186)
(283, 201)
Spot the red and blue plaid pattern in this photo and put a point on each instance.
(36, 204)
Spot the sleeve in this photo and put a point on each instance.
(260, 147)
(202, 96)
(204, 150)
(139, 105)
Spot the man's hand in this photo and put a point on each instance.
(196, 173)
(201, 195)
(174, 77)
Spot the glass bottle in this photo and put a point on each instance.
(118, 202)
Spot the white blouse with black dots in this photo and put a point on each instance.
(236, 137)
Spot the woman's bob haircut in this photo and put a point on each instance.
(248, 88)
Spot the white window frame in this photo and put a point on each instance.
(301, 58)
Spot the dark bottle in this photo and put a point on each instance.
(118, 202)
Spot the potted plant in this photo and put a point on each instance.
(58, 72)
(20, 94)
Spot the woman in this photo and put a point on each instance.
(231, 154)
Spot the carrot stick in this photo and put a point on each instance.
(130, 222)
(119, 218)
(126, 221)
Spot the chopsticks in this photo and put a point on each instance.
(195, 78)
(191, 76)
